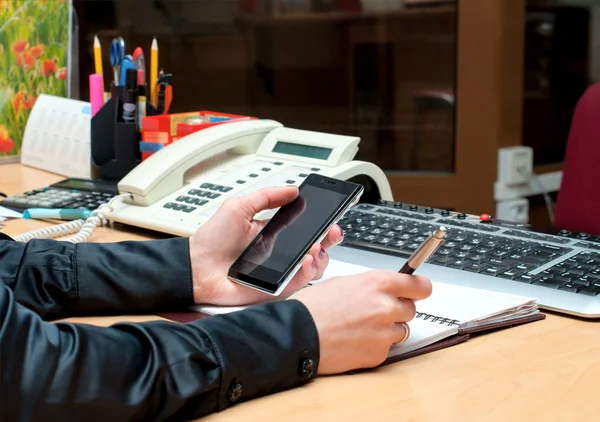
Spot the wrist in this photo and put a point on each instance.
(203, 271)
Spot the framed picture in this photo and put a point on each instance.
(34, 56)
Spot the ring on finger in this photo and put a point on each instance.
(406, 332)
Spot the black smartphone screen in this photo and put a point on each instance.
(292, 231)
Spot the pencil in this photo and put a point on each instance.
(98, 56)
(153, 68)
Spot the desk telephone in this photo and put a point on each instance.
(181, 186)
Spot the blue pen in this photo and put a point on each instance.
(117, 53)
(56, 214)
(127, 63)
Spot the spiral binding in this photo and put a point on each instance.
(437, 319)
(82, 228)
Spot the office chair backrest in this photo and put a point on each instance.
(578, 202)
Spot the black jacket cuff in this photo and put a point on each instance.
(263, 349)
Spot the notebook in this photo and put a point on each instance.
(448, 317)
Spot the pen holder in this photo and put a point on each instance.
(115, 149)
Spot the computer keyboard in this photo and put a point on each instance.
(560, 268)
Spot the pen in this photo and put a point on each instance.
(56, 214)
(424, 251)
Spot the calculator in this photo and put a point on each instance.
(72, 193)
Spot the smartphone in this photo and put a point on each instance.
(276, 254)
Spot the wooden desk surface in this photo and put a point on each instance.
(545, 370)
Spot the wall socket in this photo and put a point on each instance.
(516, 210)
(515, 165)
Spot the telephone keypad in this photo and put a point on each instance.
(179, 207)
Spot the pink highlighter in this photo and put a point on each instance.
(96, 92)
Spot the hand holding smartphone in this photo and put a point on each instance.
(272, 259)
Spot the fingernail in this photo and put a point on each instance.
(341, 238)
(314, 264)
(322, 253)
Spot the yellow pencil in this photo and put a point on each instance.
(153, 69)
(98, 56)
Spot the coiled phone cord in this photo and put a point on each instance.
(83, 228)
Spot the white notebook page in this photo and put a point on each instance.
(463, 304)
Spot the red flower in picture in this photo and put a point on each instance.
(6, 144)
(37, 50)
(20, 46)
(25, 60)
(48, 67)
(23, 100)
(61, 73)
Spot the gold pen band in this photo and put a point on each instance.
(427, 248)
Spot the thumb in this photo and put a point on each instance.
(267, 199)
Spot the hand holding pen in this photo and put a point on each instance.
(424, 251)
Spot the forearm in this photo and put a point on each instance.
(154, 371)
(59, 279)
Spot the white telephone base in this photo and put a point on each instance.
(180, 187)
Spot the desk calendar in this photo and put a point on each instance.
(57, 136)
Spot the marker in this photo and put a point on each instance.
(131, 96)
(424, 251)
(96, 92)
(56, 214)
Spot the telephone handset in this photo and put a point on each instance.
(181, 186)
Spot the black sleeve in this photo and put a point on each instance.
(61, 279)
(158, 371)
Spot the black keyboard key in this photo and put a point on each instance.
(530, 259)
(525, 278)
(265, 169)
(547, 282)
(240, 182)
(494, 271)
(206, 186)
(169, 205)
(458, 263)
(188, 209)
(368, 237)
(592, 290)
(475, 267)
(526, 267)
(303, 175)
(441, 260)
(380, 240)
(253, 175)
(352, 235)
(570, 288)
(583, 281)
(511, 274)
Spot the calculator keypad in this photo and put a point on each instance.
(57, 198)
